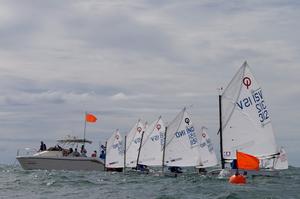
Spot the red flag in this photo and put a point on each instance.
(90, 118)
(246, 161)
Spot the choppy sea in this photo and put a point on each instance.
(18, 183)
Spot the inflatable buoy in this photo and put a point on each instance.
(237, 179)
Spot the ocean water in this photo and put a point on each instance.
(18, 183)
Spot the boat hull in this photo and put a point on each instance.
(63, 163)
(229, 172)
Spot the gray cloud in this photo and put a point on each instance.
(131, 59)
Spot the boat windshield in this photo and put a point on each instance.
(73, 140)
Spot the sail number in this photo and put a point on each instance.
(262, 111)
(137, 140)
(207, 142)
(256, 100)
(159, 137)
(118, 146)
(190, 131)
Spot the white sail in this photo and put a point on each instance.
(182, 144)
(146, 125)
(277, 162)
(133, 144)
(281, 161)
(152, 145)
(115, 151)
(207, 153)
(246, 120)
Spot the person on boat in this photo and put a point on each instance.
(142, 167)
(43, 146)
(55, 148)
(94, 154)
(202, 171)
(233, 164)
(175, 169)
(83, 151)
(65, 152)
(76, 153)
(70, 151)
(103, 147)
(59, 148)
(102, 155)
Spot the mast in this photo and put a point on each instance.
(84, 128)
(125, 153)
(164, 150)
(220, 130)
(138, 156)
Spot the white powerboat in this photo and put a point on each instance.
(59, 158)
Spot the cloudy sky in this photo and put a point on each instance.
(129, 59)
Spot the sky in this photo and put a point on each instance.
(128, 59)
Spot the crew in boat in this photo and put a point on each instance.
(83, 151)
(58, 148)
(202, 171)
(94, 154)
(103, 147)
(233, 164)
(43, 146)
(76, 153)
(55, 148)
(175, 169)
(142, 167)
(102, 155)
(70, 152)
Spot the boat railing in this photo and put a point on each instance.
(26, 151)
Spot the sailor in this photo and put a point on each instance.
(202, 171)
(233, 164)
(43, 146)
(94, 154)
(76, 153)
(102, 155)
(142, 167)
(175, 169)
(83, 151)
(59, 147)
(70, 151)
(103, 147)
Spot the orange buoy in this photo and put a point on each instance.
(237, 179)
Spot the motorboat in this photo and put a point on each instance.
(60, 157)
